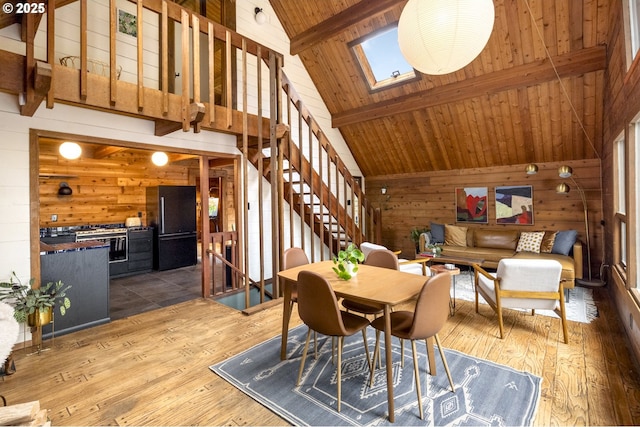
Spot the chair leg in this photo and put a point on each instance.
(563, 318)
(500, 322)
(376, 356)
(416, 372)
(339, 368)
(444, 362)
(304, 356)
(366, 347)
(401, 353)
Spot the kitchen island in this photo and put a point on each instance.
(84, 266)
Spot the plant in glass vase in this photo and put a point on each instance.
(347, 262)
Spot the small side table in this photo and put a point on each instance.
(439, 268)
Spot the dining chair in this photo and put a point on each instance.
(293, 257)
(379, 258)
(532, 284)
(318, 308)
(428, 318)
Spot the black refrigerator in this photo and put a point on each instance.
(171, 211)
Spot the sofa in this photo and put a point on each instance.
(492, 245)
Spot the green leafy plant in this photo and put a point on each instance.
(26, 299)
(416, 232)
(351, 255)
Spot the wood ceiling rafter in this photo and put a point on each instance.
(338, 23)
(573, 64)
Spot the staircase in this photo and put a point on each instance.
(317, 186)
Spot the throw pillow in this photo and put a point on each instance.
(455, 236)
(564, 242)
(437, 233)
(547, 241)
(530, 241)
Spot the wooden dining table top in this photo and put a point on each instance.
(371, 284)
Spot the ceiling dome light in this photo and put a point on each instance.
(70, 150)
(159, 158)
(442, 36)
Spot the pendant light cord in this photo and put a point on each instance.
(564, 89)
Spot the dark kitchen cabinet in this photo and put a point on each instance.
(140, 250)
(87, 271)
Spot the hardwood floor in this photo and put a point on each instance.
(152, 368)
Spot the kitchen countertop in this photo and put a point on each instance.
(46, 248)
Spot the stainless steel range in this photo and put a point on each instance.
(116, 238)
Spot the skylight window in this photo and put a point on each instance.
(380, 59)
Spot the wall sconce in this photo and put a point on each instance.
(64, 189)
(159, 158)
(261, 17)
(531, 169)
(70, 150)
(383, 190)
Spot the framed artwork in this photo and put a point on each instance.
(471, 205)
(514, 205)
(127, 23)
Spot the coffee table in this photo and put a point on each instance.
(445, 259)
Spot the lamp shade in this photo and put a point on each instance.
(531, 169)
(565, 171)
(442, 36)
(562, 188)
(159, 158)
(70, 150)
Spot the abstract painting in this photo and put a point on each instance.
(514, 205)
(471, 205)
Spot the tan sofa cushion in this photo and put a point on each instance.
(497, 239)
(489, 255)
(455, 236)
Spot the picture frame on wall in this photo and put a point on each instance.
(514, 205)
(472, 205)
(127, 23)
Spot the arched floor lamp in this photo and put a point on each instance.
(563, 188)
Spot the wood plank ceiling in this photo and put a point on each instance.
(506, 107)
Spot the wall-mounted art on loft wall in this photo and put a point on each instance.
(514, 205)
(127, 23)
(471, 205)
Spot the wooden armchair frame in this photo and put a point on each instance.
(495, 302)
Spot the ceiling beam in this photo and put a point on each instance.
(568, 65)
(338, 23)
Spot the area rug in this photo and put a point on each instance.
(486, 393)
(580, 305)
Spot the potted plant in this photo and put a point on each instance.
(415, 236)
(35, 305)
(347, 262)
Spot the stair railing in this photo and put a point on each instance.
(333, 208)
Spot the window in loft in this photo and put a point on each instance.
(634, 21)
(381, 61)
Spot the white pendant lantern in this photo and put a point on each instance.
(442, 36)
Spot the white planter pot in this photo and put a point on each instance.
(349, 267)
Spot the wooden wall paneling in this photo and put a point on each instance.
(416, 200)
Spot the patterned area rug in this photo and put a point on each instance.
(580, 306)
(486, 393)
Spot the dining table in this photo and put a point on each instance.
(371, 284)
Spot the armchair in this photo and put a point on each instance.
(523, 283)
